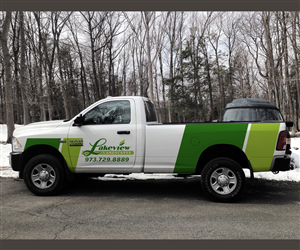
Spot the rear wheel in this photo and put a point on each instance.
(223, 180)
(44, 175)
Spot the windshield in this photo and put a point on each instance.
(252, 114)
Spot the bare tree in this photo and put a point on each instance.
(256, 33)
(95, 31)
(8, 88)
(113, 30)
(49, 59)
(40, 62)
(153, 35)
(286, 67)
(72, 25)
(266, 16)
(230, 30)
(214, 36)
(57, 28)
(293, 38)
(205, 23)
(16, 86)
(173, 30)
(26, 116)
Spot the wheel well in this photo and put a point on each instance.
(42, 149)
(223, 150)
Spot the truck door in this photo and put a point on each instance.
(107, 139)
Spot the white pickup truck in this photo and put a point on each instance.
(122, 135)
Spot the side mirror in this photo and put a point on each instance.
(289, 124)
(78, 121)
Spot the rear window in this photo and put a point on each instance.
(150, 111)
(252, 114)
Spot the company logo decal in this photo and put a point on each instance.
(100, 148)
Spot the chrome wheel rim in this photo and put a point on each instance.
(223, 181)
(43, 176)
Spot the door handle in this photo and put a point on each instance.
(123, 132)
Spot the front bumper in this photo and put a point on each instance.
(281, 163)
(15, 160)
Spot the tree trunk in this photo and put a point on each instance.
(220, 82)
(286, 70)
(63, 83)
(207, 67)
(296, 63)
(157, 96)
(48, 71)
(140, 70)
(281, 105)
(150, 71)
(111, 86)
(134, 76)
(148, 44)
(98, 97)
(270, 59)
(125, 74)
(40, 71)
(163, 86)
(230, 70)
(2, 101)
(26, 117)
(8, 87)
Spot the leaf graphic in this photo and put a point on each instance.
(122, 143)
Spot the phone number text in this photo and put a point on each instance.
(106, 159)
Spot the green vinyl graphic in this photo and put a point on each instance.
(256, 140)
(53, 142)
(197, 137)
(71, 153)
(259, 145)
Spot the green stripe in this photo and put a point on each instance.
(54, 142)
(197, 137)
(261, 145)
(65, 153)
(71, 154)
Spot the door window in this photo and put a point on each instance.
(114, 112)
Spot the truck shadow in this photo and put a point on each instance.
(258, 191)
(261, 191)
(178, 188)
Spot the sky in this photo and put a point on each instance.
(293, 175)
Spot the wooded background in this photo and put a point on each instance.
(190, 64)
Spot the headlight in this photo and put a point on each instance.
(15, 144)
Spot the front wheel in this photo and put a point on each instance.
(223, 180)
(44, 175)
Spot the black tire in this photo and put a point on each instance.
(44, 175)
(223, 180)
